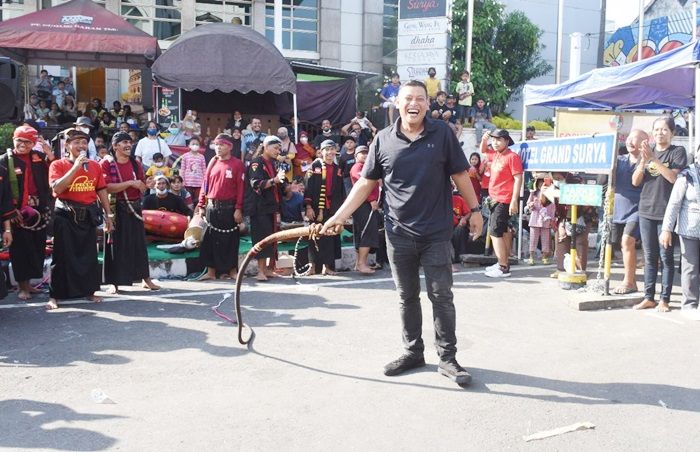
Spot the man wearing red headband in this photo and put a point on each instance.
(221, 203)
(77, 183)
(28, 174)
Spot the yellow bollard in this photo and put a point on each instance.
(574, 219)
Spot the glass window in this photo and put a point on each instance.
(159, 18)
(299, 24)
(390, 27)
(10, 10)
(228, 11)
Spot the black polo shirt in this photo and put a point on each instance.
(416, 175)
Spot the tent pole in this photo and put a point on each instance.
(296, 118)
(522, 190)
(640, 32)
(691, 130)
(696, 116)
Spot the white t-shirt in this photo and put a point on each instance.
(147, 147)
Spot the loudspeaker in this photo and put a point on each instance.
(10, 99)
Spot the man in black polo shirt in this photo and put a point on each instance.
(415, 158)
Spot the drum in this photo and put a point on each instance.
(196, 228)
(162, 223)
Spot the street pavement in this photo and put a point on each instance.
(159, 371)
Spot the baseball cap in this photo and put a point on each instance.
(328, 143)
(271, 139)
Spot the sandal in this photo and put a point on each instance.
(624, 290)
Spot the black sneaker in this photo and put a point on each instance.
(404, 363)
(452, 370)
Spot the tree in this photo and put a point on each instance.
(506, 50)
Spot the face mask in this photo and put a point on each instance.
(159, 164)
(326, 130)
(173, 130)
(282, 136)
(161, 192)
(304, 140)
(353, 134)
(194, 147)
(152, 132)
(211, 146)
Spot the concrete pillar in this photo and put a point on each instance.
(187, 15)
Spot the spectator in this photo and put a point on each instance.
(150, 145)
(163, 199)
(102, 152)
(388, 96)
(346, 161)
(481, 117)
(42, 113)
(176, 136)
(504, 191)
(252, 138)
(682, 215)
(475, 174)
(485, 169)
(625, 223)
(432, 84)
(237, 143)
(128, 116)
(465, 91)
(59, 94)
(656, 173)
(117, 112)
(70, 89)
(454, 118)
(107, 124)
(43, 85)
(287, 153)
(190, 125)
(158, 168)
(237, 122)
(365, 220)
(355, 130)
(70, 113)
(177, 189)
(99, 140)
(541, 215)
(304, 156)
(124, 127)
(192, 168)
(31, 107)
(327, 133)
(460, 231)
(55, 115)
(293, 212)
(530, 133)
(438, 108)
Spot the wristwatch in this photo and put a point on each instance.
(475, 209)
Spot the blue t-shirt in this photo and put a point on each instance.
(626, 194)
(390, 90)
(291, 208)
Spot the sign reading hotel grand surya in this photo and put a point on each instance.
(423, 39)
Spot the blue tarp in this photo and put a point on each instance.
(663, 81)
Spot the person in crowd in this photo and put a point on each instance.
(625, 222)
(365, 220)
(163, 199)
(438, 108)
(42, 112)
(124, 127)
(346, 161)
(99, 140)
(150, 145)
(530, 133)
(30, 107)
(504, 191)
(304, 156)
(418, 222)
(193, 166)
(541, 216)
(236, 150)
(388, 96)
(84, 124)
(237, 122)
(190, 125)
(365, 125)
(176, 136)
(70, 89)
(158, 168)
(59, 94)
(656, 172)
(488, 154)
(125, 257)
(102, 152)
(291, 125)
(266, 181)
(481, 117)
(108, 125)
(177, 188)
(135, 135)
(475, 173)
(7, 214)
(221, 202)
(327, 133)
(77, 183)
(55, 115)
(465, 91)
(682, 216)
(293, 212)
(116, 111)
(460, 233)
(455, 116)
(252, 138)
(432, 84)
(28, 172)
(287, 153)
(43, 85)
(128, 115)
(362, 136)
(70, 112)
(96, 110)
(323, 195)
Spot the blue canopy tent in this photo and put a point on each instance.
(666, 80)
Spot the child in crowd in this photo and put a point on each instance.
(465, 91)
(193, 167)
(158, 168)
(475, 174)
(176, 189)
(102, 152)
(541, 214)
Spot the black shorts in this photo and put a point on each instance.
(630, 228)
(498, 221)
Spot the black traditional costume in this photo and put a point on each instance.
(263, 204)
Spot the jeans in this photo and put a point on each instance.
(649, 231)
(690, 272)
(479, 125)
(406, 256)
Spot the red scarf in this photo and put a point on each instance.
(29, 185)
(329, 183)
(270, 170)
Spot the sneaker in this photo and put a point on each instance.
(531, 261)
(404, 363)
(545, 261)
(498, 272)
(492, 267)
(555, 274)
(452, 370)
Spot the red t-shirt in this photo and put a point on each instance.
(505, 166)
(355, 173)
(486, 160)
(224, 181)
(126, 170)
(83, 189)
(459, 208)
(476, 183)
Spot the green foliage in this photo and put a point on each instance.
(540, 125)
(507, 123)
(6, 131)
(505, 50)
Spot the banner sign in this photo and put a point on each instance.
(592, 154)
(427, 41)
(168, 105)
(577, 123)
(427, 57)
(433, 25)
(411, 9)
(580, 194)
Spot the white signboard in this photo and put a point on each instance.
(430, 57)
(429, 41)
(434, 25)
(420, 72)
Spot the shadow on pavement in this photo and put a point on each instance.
(22, 426)
(628, 393)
